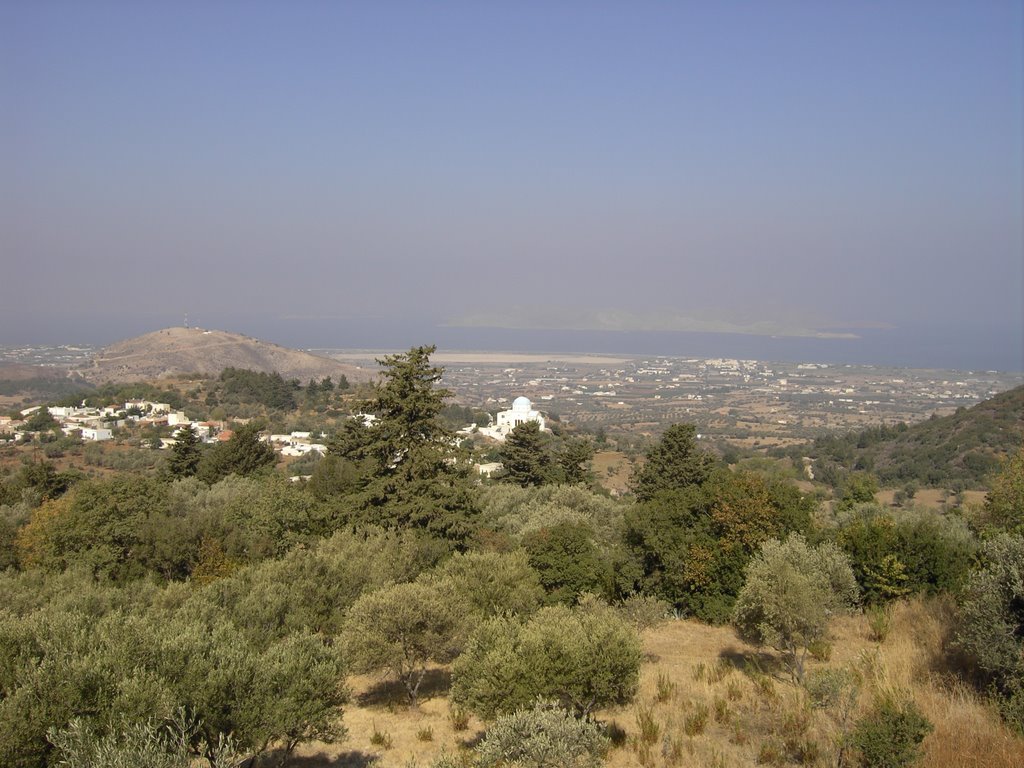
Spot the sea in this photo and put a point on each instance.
(948, 348)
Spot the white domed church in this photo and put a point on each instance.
(521, 412)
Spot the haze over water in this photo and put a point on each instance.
(965, 349)
(568, 176)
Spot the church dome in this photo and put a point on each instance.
(522, 404)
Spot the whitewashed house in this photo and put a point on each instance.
(96, 433)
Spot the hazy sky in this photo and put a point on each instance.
(808, 164)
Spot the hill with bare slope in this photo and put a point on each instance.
(175, 351)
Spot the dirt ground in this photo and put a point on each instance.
(613, 470)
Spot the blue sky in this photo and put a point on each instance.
(802, 165)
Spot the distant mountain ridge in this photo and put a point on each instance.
(175, 351)
(966, 446)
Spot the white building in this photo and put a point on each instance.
(489, 469)
(96, 433)
(521, 412)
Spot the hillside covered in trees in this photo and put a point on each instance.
(211, 610)
(964, 448)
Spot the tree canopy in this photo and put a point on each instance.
(584, 658)
(413, 474)
(791, 591)
(525, 456)
(674, 464)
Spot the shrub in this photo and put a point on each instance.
(644, 611)
(992, 609)
(381, 739)
(879, 622)
(140, 744)
(665, 688)
(894, 554)
(584, 657)
(545, 736)
(696, 721)
(648, 728)
(890, 736)
(458, 718)
(567, 561)
(991, 631)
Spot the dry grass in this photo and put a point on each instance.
(613, 470)
(931, 497)
(717, 702)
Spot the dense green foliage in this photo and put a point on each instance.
(457, 416)
(41, 421)
(689, 547)
(567, 561)
(584, 658)
(117, 659)
(1004, 505)
(890, 736)
(492, 583)
(991, 632)
(131, 525)
(965, 447)
(240, 385)
(46, 387)
(244, 454)
(674, 464)
(894, 554)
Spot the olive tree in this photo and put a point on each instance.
(493, 583)
(791, 592)
(991, 631)
(584, 657)
(403, 628)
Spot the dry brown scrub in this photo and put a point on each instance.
(613, 470)
(707, 699)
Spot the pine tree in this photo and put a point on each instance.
(575, 459)
(244, 454)
(416, 476)
(186, 453)
(525, 456)
(673, 464)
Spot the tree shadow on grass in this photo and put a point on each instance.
(752, 664)
(471, 741)
(353, 759)
(391, 693)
